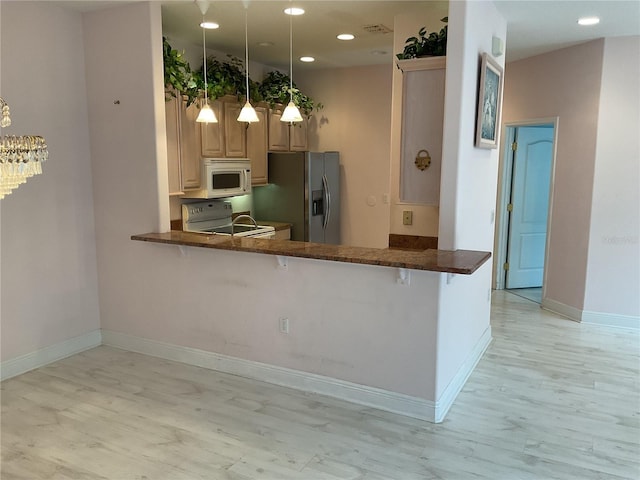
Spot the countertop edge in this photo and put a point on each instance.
(463, 262)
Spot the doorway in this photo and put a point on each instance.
(527, 174)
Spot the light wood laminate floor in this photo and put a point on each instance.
(551, 399)
(534, 294)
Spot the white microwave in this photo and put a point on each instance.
(223, 177)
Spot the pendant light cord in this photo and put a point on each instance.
(291, 58)
(246, 49)
(204, 56)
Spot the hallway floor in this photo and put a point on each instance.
(550, 399)
(534, 294)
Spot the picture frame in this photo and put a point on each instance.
(489, 103)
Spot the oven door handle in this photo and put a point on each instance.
(246, 187)
(327, 194)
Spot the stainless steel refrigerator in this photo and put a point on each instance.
(303, 190)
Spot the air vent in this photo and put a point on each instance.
(377, 29)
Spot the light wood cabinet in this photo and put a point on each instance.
(228, 137)
(258, 145)
(285, 137)
(212, 144)
(298, 135)
(189, 146)
(183, 140)
(278, 131)
(235, 132)
(171, 108)
(188, 142)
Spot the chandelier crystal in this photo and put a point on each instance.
(21, 156)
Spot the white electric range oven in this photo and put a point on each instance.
(215, 217)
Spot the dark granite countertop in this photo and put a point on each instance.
(459, 261)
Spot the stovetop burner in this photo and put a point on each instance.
(237, 229)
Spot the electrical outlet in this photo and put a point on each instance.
(283, 323)
(407, 217)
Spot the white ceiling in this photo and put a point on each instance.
(534, 26)
(314, 32)
(539, 26)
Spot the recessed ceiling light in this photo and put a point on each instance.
(307, 59)
(294, 11)
(378, 52)
(346, 36)
(265, 44)
(209, 25)
(586, 21)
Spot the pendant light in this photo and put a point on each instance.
(206, 114)
(248, 113)
(291, 113)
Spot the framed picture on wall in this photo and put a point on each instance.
(489, 103)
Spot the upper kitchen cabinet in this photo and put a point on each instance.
(183, 140)
(212, 134)
(227, 138)
(189, 146)
(285, 137)
(278, 131)
(298, 135)
(171, 108)
(258, 146)
(235, 132)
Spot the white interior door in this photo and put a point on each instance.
(530, 204)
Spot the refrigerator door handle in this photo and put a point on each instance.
(327, 192)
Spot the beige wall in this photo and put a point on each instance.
(613, 269)
(50, 291)
(356, 120)
(565, 84)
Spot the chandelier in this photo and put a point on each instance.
(21, 156)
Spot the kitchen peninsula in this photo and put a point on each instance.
(460, 261)
(375, 336)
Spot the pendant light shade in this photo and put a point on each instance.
(291, 113)
(206, 115)
(248, 113)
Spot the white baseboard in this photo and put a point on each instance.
(594, 318)
(554, 306)
(611, 320)
(39, 358)
(450, 393)
(308, 382)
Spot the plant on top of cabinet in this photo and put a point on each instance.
(434, 44)
(275, 88)
(177, 74)
(227, 78)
